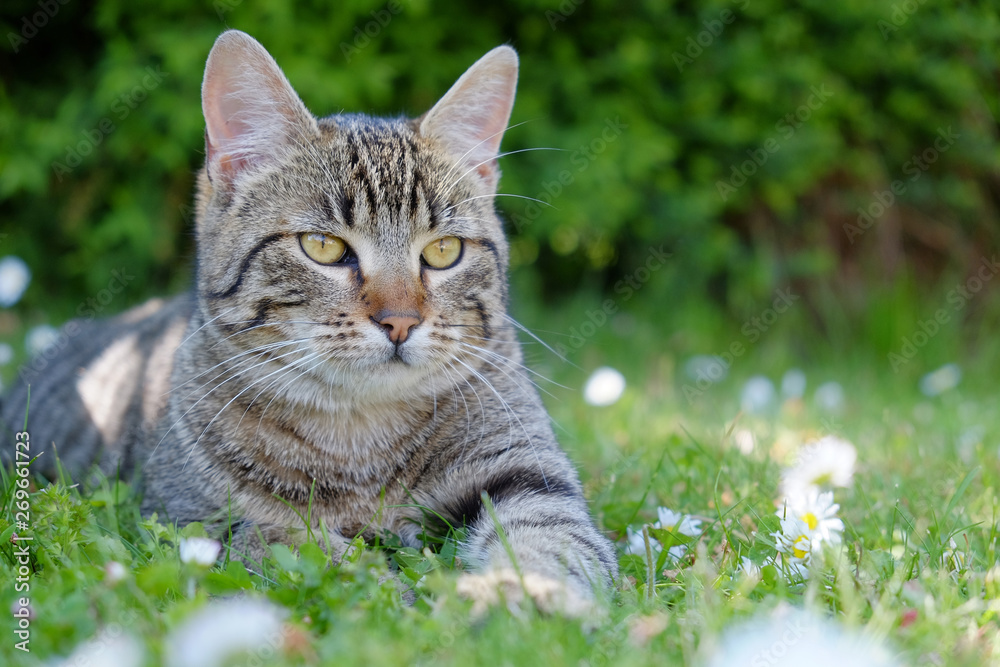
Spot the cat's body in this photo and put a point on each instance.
(370, 391)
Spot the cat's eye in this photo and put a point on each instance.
(323, 248)
(442, 253)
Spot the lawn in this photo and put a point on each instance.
(912, 580)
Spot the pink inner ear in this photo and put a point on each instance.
(251, 111)
(471, 118)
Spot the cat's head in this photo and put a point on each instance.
(365, 250)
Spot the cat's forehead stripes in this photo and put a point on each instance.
(387, 176)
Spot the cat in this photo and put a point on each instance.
(345, 354)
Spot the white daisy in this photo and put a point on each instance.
(40, 338)
(793, 383)
(827, 462)
(829, 396)
(941, 380)
(111, 646)
(952, 558)
(819, 513)
(14, 278)
(791, 637)
(758, 394)
(795, 539)
(667, 520)
(225, 629)
(200, 550)
(605, 387)
(748, 568)
(114, 572)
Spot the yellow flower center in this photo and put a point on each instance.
(823, 479)
(797, 551)
(810, 520)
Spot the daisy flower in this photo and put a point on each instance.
(109, 647)
(604, 387)
(200, 550)
(748, 568)
(819, 513)
(795, 539)
(791, 637)
(826, 462)
(667, 519)
(225, 629)
(14, 278)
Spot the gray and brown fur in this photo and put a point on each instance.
(275, 377)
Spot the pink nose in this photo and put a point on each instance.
(397, 325)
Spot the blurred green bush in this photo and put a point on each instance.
(743, 137)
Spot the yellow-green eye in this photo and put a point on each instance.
(442, 253)
(322, 248)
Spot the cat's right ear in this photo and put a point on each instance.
(251, 111)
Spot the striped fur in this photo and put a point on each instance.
(272, 386)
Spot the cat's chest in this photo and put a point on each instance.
(343, 464)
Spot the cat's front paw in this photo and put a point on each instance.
(505, 586)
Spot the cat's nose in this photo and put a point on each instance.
(397, 325)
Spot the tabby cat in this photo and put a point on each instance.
(346, 346)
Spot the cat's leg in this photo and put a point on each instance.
(539, 542)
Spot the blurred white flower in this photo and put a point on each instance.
(40, 338)
(792, 637)
(941, 380)
(668, 520)
(6, 353)
(114, 572)
(14, 279)
(757, 395)
(793, 383)
(826, 462)
(830, 396)
(952, 558)
(605, 386)
(110, 647)
(224, 630)
(706, 367)
(748, 568)
(744, 441)
(200, 550)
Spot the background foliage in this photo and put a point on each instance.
(695, 90)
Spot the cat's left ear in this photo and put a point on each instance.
(471, 118)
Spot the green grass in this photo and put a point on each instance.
(927, 473)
